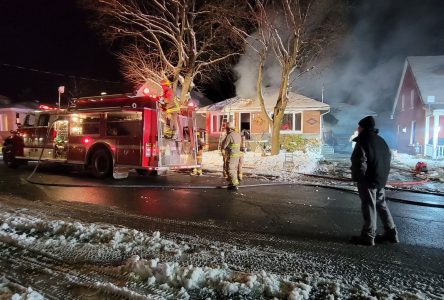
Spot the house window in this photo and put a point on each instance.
(412, 133)
(287, 122)
(292, 122)
(412, 99)
(402, 102)
(298, 122)
(218, 122)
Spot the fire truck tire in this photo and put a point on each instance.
(101, 163)
(8, 156)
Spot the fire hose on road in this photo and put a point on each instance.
(200, 187)
(244, 186)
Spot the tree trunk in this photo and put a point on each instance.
(276, 132)
(185, 89)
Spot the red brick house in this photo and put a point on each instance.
(418, 109)
(303, 116)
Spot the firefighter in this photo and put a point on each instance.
(231, 146)
(243, 149)
(200, 145)
(225, 160)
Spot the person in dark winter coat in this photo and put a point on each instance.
(370, 169)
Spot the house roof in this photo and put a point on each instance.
(296, 102)
(428, 72)
(429, 75)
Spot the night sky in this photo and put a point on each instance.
(53, 36)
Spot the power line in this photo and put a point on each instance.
(58, 74)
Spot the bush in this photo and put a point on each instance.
(297, 142)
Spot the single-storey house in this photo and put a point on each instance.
(302, 116)
(8, 120)
(418, 109)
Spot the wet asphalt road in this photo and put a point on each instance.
(289, 211)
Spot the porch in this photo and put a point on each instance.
(436, 152)
(434, 135)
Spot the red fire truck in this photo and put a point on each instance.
(109, 135)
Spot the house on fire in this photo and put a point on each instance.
(418, 109)
(302, 116)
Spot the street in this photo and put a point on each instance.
(309, 221)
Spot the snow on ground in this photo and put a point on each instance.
(179, 268)
(13, 291)
(290, 166)
(284, 165)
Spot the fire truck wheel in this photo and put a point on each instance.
(142, 172)
(101, 163)
(8, 157)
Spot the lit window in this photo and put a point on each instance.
(292, 122)
(287, 122)
(412, 133)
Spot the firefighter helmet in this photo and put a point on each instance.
(231, 126)
(165, 82)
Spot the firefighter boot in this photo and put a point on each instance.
(362, 240)
(232, 187)
(389, 235)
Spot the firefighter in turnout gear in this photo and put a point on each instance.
(231, 146)
(243, 149)
(200, 145)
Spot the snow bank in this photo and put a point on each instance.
(182, 267)
(410, 161)
(284, 165)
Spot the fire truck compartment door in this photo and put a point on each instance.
(178, 150)
(150, 154)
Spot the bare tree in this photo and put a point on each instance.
(295, 33)
(183, 39)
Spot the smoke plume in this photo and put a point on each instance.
(367, 68)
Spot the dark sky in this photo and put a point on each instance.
(54, 36)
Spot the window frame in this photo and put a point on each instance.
(412, 133)
(219, 115)
(293, 131)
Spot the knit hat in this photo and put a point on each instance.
(367, 123)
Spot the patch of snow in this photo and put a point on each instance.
(13, 291)
(165, 265)
(286, 166)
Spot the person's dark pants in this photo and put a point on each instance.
(372, 204)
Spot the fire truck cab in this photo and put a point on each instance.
(108, 135)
